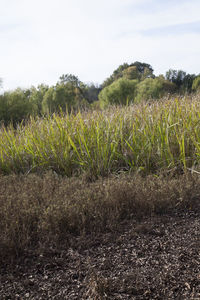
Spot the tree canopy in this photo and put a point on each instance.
(136, 70)
(127, 84)
(181, 79)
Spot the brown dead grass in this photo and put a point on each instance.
(37, 211)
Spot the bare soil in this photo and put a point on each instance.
(156, 258)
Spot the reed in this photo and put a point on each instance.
(146, 137)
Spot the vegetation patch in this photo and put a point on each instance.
(146, 138)
(80, 173)
(41, 211)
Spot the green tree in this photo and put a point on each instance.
(37, 96)
(73, 81)
(16, 106)
(187, 83)
(182, 80)
(154, 88)
(131, 73)
(121, 91)
(64, 96)
(145, 70)
(91, 92)
(168, 87)
(66, 78)
(176, 77)
(140, 72)
(196, 84)
(4, 118)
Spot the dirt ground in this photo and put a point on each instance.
(156, 258)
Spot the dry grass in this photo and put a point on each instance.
(38, 211)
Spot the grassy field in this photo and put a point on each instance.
(146, 137)
(120, 163)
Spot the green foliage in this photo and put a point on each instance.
(69, 78)
(91, 92)
(95, 105)
(196, 84)
(143, 68)
(182, 80)
(15, 106)
(136, 70)
(121, 91)
(37, 96)
(175, 76)
(72, 82)
(118, 73)
(128, 83)
(167, 86)
(57, 98)
(149, 89)
(153, 88)
(68, 94)
(131, 73)
(187, 83)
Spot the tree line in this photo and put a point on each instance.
(129, 83)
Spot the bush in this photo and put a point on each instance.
(196, 84)
(15, 106)
(151, 88)
(121, 91)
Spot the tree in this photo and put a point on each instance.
(182, 80)
(56, 98)
(66, 78)
(175, 76)
(131, 73)
(37, 95)
(4, 110)
(63, 96)
(121, 91)
(196, 84)
(168, 87)
(91, 92)
(73, 81)
(136, 70)
(154, 88)
(118, 73)
(187, 83)
(67, 94)
(145, 70)
(16, 106)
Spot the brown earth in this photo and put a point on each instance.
(156, 258)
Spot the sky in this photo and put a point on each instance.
(42, 39)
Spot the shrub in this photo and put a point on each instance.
(121, 91)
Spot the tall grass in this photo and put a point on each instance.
(144, 137)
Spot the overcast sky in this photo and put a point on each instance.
(42, 39)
